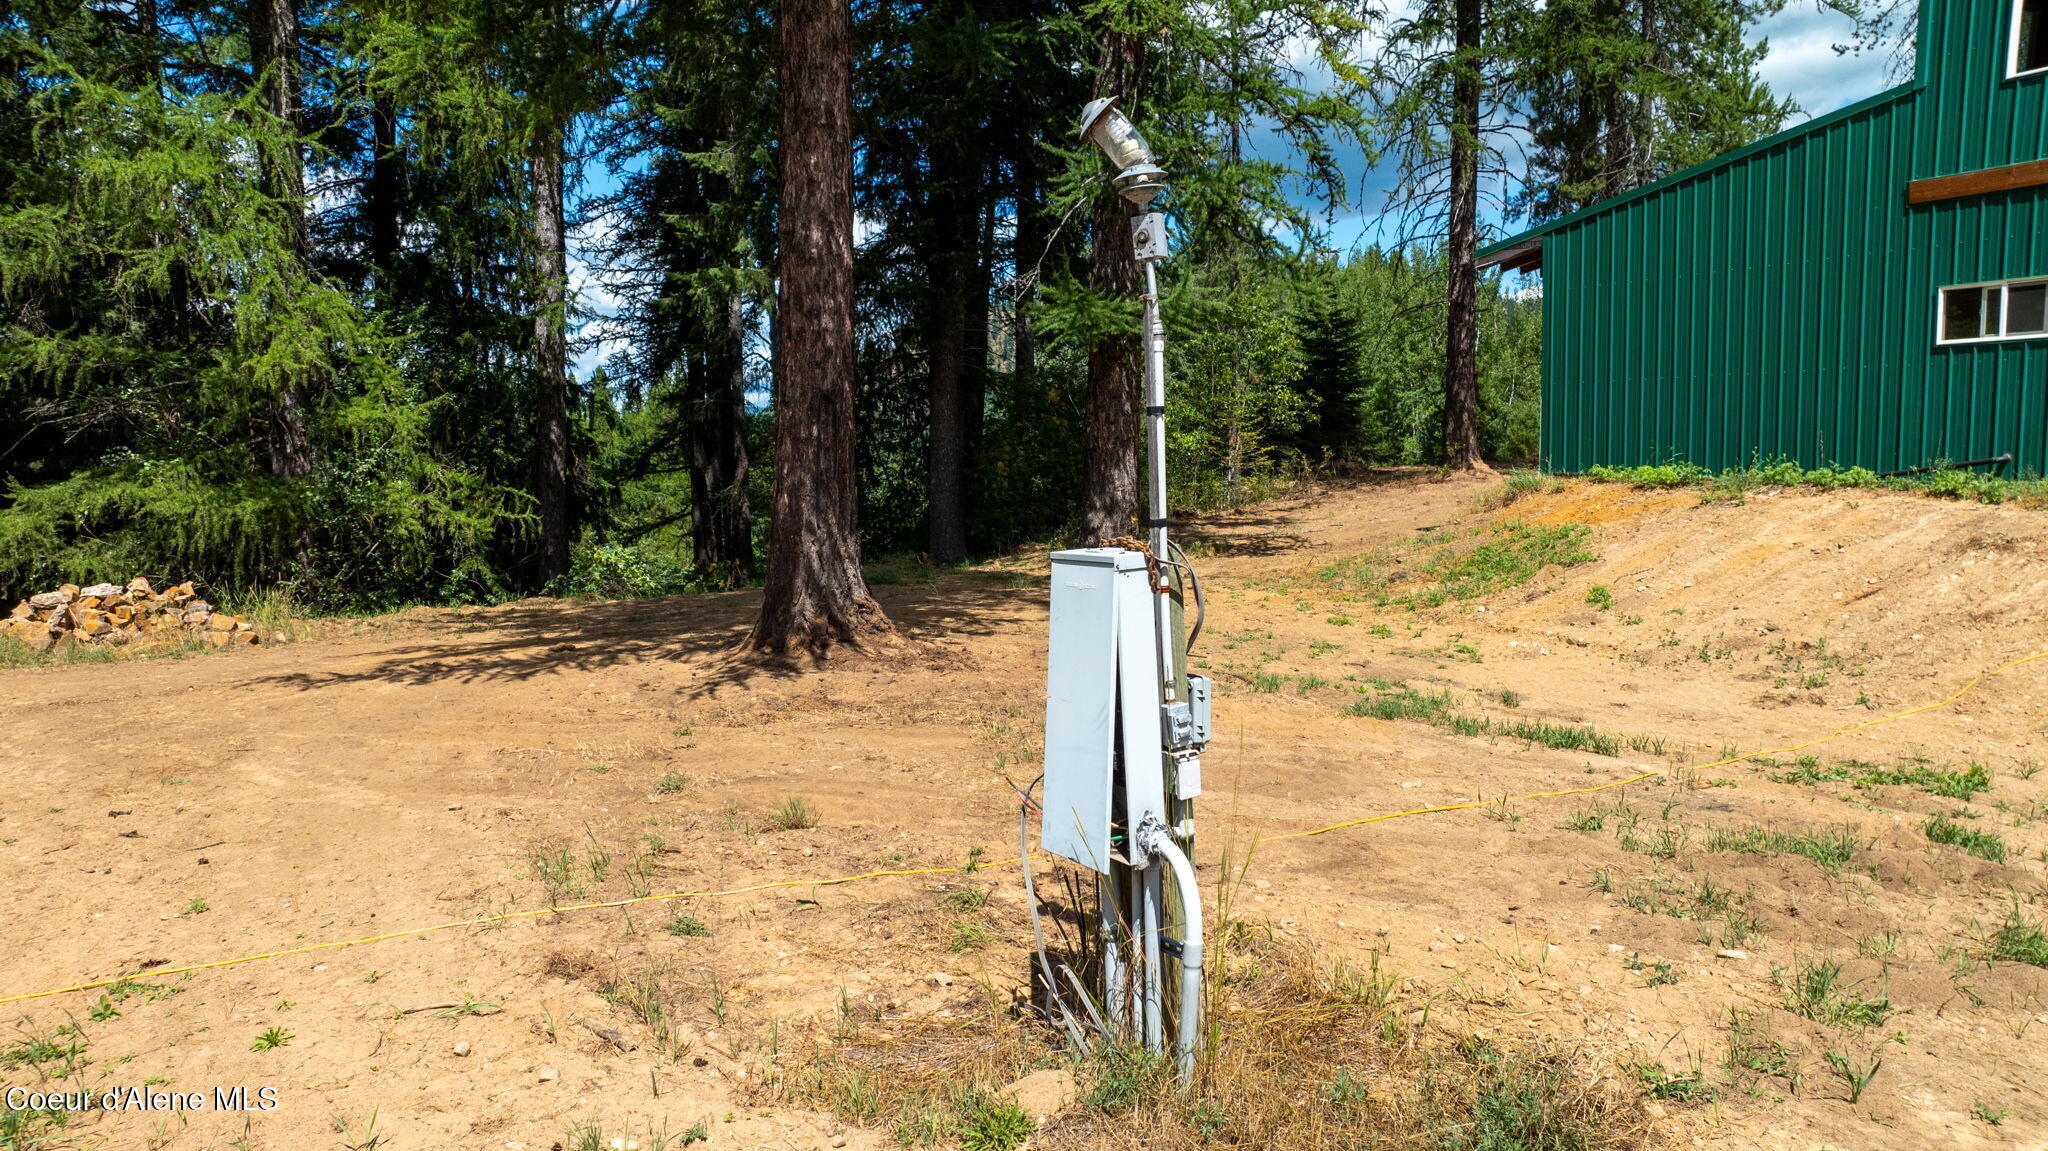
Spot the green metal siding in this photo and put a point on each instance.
(1780, 302)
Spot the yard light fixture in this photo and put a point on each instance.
(1139, 177)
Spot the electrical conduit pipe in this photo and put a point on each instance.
(1160, 842)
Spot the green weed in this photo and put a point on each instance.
(792, 814)
(2019, 940)
(1516, 552)
(1982, 844)
(1944, 482)
(969, 937)
(991, 1123)
(1963, 785)
(1857, 1074)
(1817, 992)
(1830, 849)
(271, 1040)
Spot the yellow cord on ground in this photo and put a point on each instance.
(485, 920)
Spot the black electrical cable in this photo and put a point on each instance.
(1052, 988)
(1195, 584)
(1997, 461)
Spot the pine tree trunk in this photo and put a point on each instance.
(815, 595)
(550, 355)
(274, 55)
(945, 490)
(1030, 248)
(1461, 347)
(722, 528)
(1109, 503)
(387, 166)
(1109, 500)
(1646, 102)
(981, 288)
(946, 539)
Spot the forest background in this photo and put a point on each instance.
(394, 301)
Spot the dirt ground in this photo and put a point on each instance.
(433, 766)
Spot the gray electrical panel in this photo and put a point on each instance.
(1080, 702)
(1098, 611)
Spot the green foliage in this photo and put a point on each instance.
(1515, 552)
(1403, 702)
(271, 1039)
(2019, 940)
(1817, 992)
(687, 926)
(990, 1123)
(793, 814)
(1623, 94)
(1831, 849)
(1980, 843)
(1372, 345)
(178, 325)
(1237, 364)
(625, 571)
(1119, 1076)
(1980, 487)
(1511, 1103)
(1961, 784)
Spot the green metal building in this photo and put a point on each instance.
(1868, 288)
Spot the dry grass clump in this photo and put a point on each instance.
(1300, 1053)
(1309, 1055)
(926, 1080)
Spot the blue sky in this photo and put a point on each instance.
(1802, 63)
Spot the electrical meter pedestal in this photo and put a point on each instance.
(1124, 729)
(1125, 724)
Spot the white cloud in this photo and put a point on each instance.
(1803, 62)
(602, 334)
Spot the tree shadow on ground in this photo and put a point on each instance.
(936, 621)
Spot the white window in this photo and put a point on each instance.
(2011, 310)
(2029, 38)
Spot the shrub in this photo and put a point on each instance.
(624, 571)
(1943, 481)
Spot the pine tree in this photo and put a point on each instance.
(1218, 72)
(1444, 83)
(1622, 92)
(816, 596)
(696, 226)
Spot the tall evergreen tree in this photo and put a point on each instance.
(274, 58)
(695, 230)
(1622, 92)
(1444, 82)
(1223, 69)
(816, 596)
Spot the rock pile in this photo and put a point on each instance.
(111, 614)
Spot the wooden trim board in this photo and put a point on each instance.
(2031, 174)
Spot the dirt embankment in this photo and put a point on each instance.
(1765, 934)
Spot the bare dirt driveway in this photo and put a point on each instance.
(1821, 947)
